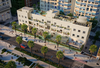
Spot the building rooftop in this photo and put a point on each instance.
(27, 8)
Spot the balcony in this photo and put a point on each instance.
(42, 23)
(66, 33)
(53, 29)
(59, 31)
(4, 8)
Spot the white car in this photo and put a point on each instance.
(25, 39)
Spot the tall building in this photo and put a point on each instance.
(16, 4)
(5, 10)
(67, 6)
(87, 8)
(76, 29)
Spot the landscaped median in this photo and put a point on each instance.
(52, 41)
(40, 58)
(23, 60)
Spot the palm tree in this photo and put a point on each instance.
(24, 28)
(19, 40)
(44, 50)
(59, 56)
(14, 24)
(34, 31)
(31, 45)
(92, 49)
(11, 64)
(58, 40)
(45, 34)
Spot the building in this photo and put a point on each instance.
(5, 10)
(67, 6)
(16, 4)
(77, 30)
(87, 8)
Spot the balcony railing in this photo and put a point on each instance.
(4, 8)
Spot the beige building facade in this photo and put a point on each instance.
(76, 29)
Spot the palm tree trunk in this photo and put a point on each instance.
(44, 56)
(57, 45)
(58, 62)
(45, 41)
(31, 50)
(20, 46)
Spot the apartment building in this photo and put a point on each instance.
(67, 6)
(87, 8)
(5, 10)
(76, 29)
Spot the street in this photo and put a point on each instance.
(66, 62)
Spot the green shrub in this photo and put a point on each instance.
(3, 50)
(24, 61)
(32, 65)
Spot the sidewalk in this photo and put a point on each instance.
(70, 54)
(5, 45)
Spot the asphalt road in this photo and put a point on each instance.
(66, 62)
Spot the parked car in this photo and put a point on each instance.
(25, 39)
(1, 33)
(23, 46)
(1, 38)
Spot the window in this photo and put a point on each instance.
(82, 37)
(25, 21)
(78, 30)
(42, 19)
(73, 35)
(84, 32)
(19, 15)
(77, 35)
(68, 26)
(49, 21)
(74, 29)
(25, 17)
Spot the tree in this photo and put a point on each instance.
(58, 40)
(34, 31)
(44, 50)
(24, 28)
(19, 40)
(14, 25)
(59, 56)
(31, 45)
(92, 49)
(34, 6)
(11, 64)
(45, 34)
(70, 14)
(94, 22)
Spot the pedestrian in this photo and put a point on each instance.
(55, 46)
(18, 63)
(11, 57)
(74, 55)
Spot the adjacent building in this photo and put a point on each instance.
(76, 29)
(67, 6)
(5, 13)
(87, 8)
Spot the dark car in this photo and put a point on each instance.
(1, 38)
(23, 46)
(1, 33)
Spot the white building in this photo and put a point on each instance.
(77, 30)
(5, 10)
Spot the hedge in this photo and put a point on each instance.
(24, 61)
(40, 58)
